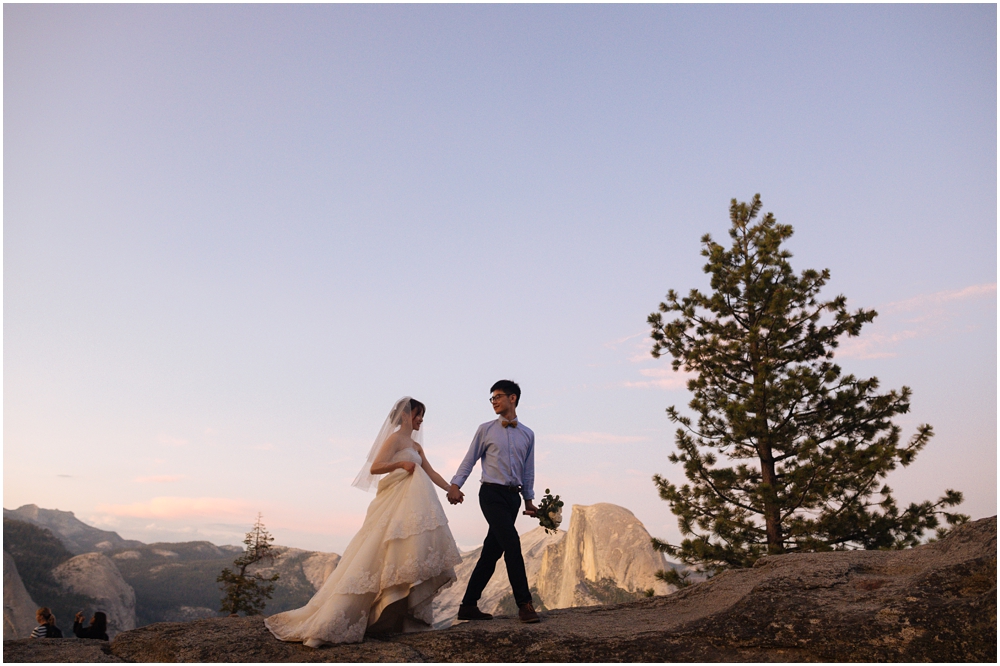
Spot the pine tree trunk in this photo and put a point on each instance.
(765, 452)
(772, 511)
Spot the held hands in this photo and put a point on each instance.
(455, 495)
(529, 508)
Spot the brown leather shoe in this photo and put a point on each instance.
(472, 613)
(526, 613)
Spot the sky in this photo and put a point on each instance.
(234, 235)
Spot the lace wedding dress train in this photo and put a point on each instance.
(404, 550)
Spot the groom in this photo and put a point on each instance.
(506, 448)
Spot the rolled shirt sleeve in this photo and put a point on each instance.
(528, 477)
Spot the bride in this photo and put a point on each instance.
(400, 558)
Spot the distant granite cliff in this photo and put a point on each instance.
(18, 607)
(936, 602)
(606, 557)
(95, 576)
(76, 535)
(606, 548)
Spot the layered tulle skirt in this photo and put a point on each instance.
(404, 550)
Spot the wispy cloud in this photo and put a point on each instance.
(595, 438)
(173, 508)
(171, 441)
(163, 478)
(662, 378)
(938, 299)
(614, 344)
(916, 317)
(873, 345)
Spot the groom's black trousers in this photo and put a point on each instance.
(500, 507)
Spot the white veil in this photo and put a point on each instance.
(399, 412)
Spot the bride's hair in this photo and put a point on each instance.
(413, 405)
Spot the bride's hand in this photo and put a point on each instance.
(408, 466)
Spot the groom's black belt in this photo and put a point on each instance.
(512, 489)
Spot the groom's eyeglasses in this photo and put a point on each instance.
(494, 398)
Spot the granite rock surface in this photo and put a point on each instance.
(936, 602)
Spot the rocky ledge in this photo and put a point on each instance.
(936, 602)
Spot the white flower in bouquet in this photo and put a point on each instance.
(555, 517)
(549, 512)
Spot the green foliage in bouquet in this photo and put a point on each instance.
(549, 512)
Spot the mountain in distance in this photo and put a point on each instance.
(93, 576)
(176, 582)
(136, 583)
(605, 557)
(53, 577)
(76, 535)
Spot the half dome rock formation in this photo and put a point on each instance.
(94, 575)
(606, 549)
(18, 608)
(936, 602)
(606, 557)
(533, 545)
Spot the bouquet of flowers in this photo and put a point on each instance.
(549, 512)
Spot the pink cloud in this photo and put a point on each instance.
(874, 345)
(939, 298)
(172, 508)
(933, 312)
(164, 478)
(327, 522)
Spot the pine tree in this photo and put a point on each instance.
(788, 454)
(245, 592)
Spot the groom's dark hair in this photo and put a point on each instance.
(508, 387)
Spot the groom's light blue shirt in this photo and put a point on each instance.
(507, 454)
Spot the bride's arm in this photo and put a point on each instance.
(435, 477)
(382, 464)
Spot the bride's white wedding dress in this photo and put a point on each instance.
(403, 550)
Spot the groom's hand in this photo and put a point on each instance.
(455, 495)
(529, 508)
